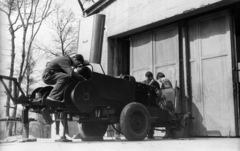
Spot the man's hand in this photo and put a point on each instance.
(78, 77)
(81, 78)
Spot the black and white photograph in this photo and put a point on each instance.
(119, 75)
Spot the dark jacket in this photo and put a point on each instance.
(153, 83)
(62, 64)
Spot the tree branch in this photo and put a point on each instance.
(19, 12)
(31, 9)
(69, 44)
(16, 20)
(18, 27)
(45, 12)
(3, 11)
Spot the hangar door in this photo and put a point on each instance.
(155, 51)
(211, 76)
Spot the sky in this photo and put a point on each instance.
(43, 35)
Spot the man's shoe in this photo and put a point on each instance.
(52, 99)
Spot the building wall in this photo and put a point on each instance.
(126, 15)
(127, 18)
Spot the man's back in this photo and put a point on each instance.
(166, 83)
(60, 64)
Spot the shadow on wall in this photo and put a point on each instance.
(196, 126)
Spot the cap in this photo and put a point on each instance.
(79, 58)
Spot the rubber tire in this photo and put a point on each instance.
(132, 113)
(92, 131)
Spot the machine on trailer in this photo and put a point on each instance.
(102, 100)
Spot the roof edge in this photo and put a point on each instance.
(96, 7)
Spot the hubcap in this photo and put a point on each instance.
(137, 122)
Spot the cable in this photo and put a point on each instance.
(116, 129)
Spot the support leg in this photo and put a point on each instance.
(63, 138)
(25, 123)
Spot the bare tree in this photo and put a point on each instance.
(28, 78)
(64, 38)
(64, 25)
(9, 8)
(29, 16)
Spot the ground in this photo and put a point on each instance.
(159, 144)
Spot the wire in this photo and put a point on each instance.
(116, 129)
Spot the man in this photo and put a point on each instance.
(167, 90)
(59, 72)
(168, 93)
(151, 81)
(164, 82)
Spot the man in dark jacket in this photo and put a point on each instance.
(59, 72)
(151, 81)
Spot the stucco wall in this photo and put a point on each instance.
(125, 15)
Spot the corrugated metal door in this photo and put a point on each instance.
(211, 76)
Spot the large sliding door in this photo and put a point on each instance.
(166, 50)
(211, 76)
(210, 69)
(141, 55)
(155, 51)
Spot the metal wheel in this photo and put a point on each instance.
(135, 121)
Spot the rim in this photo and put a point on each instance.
(137, 122)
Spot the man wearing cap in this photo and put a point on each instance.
(59, 72)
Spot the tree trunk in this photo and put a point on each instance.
(28, 80)
(10, 126)
(9, 131)
(20, 78)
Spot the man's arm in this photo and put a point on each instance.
(65, 64)
(78, 77)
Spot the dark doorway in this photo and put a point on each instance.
(119, 56)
